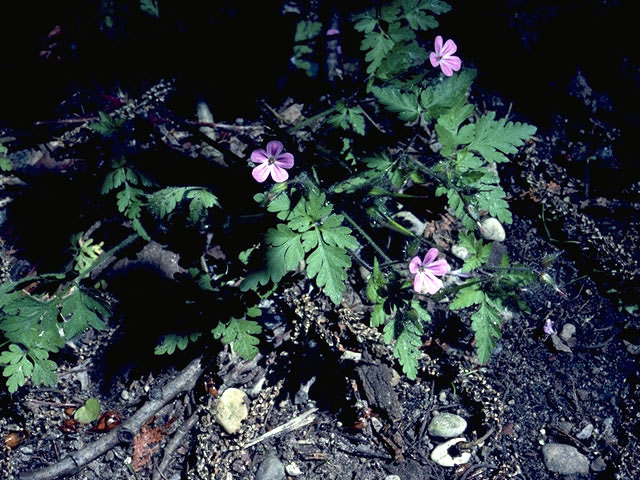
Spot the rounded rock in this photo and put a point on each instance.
(447, 425)
(232, 409)
(293, 470)
(492, 230)
(392, 477)
(564, 459)
(271, 468)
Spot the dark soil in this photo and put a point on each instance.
(574, 193)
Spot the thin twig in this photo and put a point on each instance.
(225, 125)
(72, 463)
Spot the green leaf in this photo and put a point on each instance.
(201, 200)
(240, 333)
(172, 341)
(378, 315)
(407, 331)
(306, 30)
(378, 45)
(328, 264)
(82, 311)
(493, 200)
(467, 296)
(17, 367)
(423, 315)
(448, 127)
(285, 253)
(494, 138)
(356, 119)
(479, 252)
(405, 104)
(44, 372)
(150, 7)
(485, 324)
(415, 13)
(447, 93)
(367, 21)
(88, 412)
(375, 282)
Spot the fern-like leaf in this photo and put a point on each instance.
(494, 138)
(241, 334)
(485, 324)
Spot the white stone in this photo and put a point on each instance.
(459, 251)
(492, 230)
(441, 455)
(293, 470)
(232, 409)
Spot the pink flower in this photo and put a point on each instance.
(425, 272)
(548, 327)
(272, 162)
(443, 56)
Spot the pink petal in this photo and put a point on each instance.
(279, 174)
(431, 255)
(274, 148)
(454, 63)
(261, 172)
(415, 264)
(449, 48)
(259, 156)
(446, 69)
(439, 267)
(438, 45)
(434, 59)
(419, 282)
(431, 283)
(284, 160)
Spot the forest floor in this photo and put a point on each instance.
(330, 381)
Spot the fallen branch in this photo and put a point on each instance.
(183, 382)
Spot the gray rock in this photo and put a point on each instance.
(585, 432)
(392, 477)
(564, 459)
(232, 409)
(598, 465)
(447, 425)
(492, 229)
(271, 468)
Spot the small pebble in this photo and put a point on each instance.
(564, 459)
(598, 465)
(447, 425)
(585, 432)
(492, 230)
(392, 477)
(293, 470)
(271, 468)
(568, 331)
(232, 409)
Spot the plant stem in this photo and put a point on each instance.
(310, 120)
(366, 236)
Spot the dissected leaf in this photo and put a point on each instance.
(240, 333)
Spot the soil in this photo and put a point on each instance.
(322, 366)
